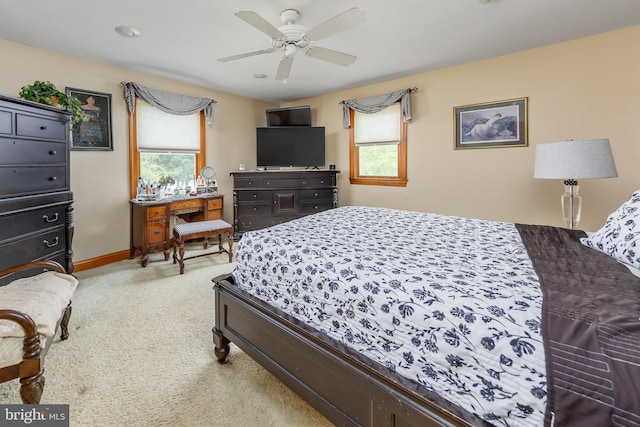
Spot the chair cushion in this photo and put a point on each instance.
(201, 226)
(42, 297)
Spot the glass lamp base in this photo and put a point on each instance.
(571, 204)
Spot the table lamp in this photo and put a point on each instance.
(572, 160)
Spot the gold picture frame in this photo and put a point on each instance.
(491, 124)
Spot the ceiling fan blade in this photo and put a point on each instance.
(329, 55)
(284, 68)
(246, 54)
(257, 21)
(338, 23)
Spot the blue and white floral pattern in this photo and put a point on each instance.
(452, 304)
(620, 236)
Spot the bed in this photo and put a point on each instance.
(386, 317)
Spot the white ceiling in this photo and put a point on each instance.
(183, 39)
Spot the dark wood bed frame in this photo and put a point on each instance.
(345, 389)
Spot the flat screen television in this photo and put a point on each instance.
(290, 146)
(290, 116)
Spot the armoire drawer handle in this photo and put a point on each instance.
(49, 220)
(52, 178)
(50, 245)
(52, 153)
(156, 232)
(255, 196)
(43, 128)
(255, 208)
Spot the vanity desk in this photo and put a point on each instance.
(151, 221)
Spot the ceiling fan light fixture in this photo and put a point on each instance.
(290, 49)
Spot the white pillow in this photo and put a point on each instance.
(620, 235)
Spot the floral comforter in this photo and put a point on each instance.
(450, 303)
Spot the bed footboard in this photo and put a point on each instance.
(343, 389)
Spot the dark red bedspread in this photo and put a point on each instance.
(591, 330)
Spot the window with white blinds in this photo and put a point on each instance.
(381, 128)
(158, 131)
(378, 147)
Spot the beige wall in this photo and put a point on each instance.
(588, 88)
(100, 180)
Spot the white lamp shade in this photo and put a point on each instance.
(582, 159)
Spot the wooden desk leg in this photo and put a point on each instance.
(175, 250)
(181, 253)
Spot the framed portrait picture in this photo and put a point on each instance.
(93, 133)
(491, 124)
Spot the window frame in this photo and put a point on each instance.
(354, 158)
(134, 154)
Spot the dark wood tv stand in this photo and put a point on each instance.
(263, 199)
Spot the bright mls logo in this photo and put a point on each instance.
(34, 415)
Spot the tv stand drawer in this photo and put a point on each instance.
(251, 210)
(255, 196)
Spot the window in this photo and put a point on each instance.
(166, 145)
(378, 148)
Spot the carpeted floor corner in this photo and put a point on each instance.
(140, 352)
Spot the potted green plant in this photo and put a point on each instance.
(47, 93)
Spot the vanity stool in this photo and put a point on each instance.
(198, 230)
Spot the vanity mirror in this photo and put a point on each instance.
(208, 173)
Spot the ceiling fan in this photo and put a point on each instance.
(292, 37)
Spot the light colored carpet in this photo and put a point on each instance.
(140, 352)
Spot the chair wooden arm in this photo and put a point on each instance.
(22, 319)
(31, 348)
(44, 265)
(30, 369)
